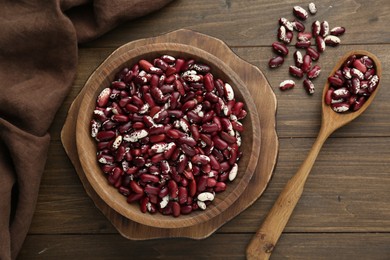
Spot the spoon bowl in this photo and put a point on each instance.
(334, 120)
(265, 239)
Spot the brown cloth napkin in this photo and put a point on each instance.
(38, 62)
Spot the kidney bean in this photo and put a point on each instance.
(337, 31)
(316, 28)
(105, 135)
(280, 48)
(314, 72)
(298, 26)
(320, 43)
(298, 58)
(306, 63)
(312, 8)
(324, 29)
(304, 36)
(286, 23)
(303, 44)
(315, 55)
(309, 86)
(276, 62)
(332, 40)
(295, 71)
(300, 12)
(287, 84)
(284, 35)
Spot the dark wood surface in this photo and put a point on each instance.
(344, 212)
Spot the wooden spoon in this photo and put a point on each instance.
(264, 241)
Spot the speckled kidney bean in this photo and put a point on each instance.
(332, 40)
(309, 86)
(286, 23)
(316, 28)
(163, 131)
(300, 12)
(337, 31)
(295, 71)
(298, 26)
(284, 35)
(280, 48)
(287, 84)
(298, 58)
(349, 88)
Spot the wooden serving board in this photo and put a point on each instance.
(265, 101)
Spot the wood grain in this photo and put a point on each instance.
(344, 212)
(254, 23)
(219, 246)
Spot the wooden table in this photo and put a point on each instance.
(344, 212)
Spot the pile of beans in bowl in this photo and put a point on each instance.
(168, 134)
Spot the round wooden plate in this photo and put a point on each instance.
(265, 102)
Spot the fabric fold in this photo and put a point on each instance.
(38, 64)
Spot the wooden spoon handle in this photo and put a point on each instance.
(265, 239)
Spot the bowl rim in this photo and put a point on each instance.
(122, 207)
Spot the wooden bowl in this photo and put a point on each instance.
(86, 146)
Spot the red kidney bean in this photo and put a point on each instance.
(324, 31)
(314, 72)
(134, 197)
(286, 23)
(220, 186)
(316, 28)
(367, 62)
(340, 107)
(295, 71)
(306, 63)
(320, 43)
(103, 97)
(105, 135)
(300, 12)
(284, 35)
(303, 44)
(337, 31)
(328, 96)
(202, 183)
(298, 58)
(276, 62)
(358, 64)
(280, 48)
(332, 40)
(287, 84)
(304, 36)
(298, 26)
(337, 82)
(315, 55)
(309, 86)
